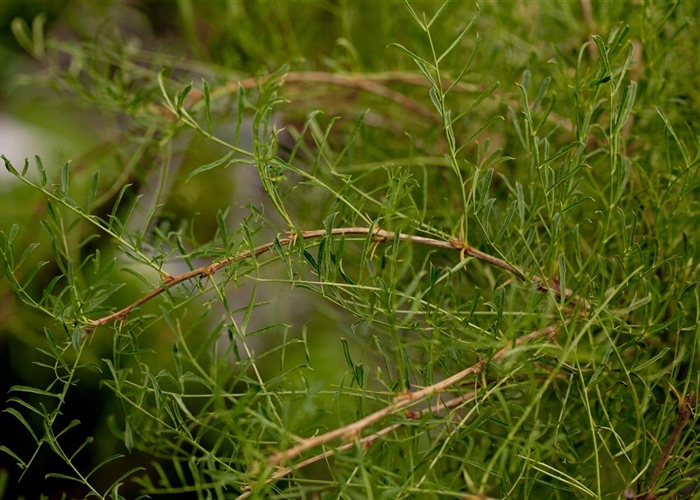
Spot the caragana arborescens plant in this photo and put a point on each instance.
(470, 273)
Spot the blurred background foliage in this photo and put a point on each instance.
(88, 92)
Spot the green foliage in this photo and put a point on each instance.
(489, 241)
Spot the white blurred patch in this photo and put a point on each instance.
(20, 140)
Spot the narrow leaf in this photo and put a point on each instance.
(412, 55)
(41, 169)
(19, 417)
(435, 100)
(128, 437)
(437, 14)
(65, 177)
(20, 463)
(32, 390)
(207, 105)
(92, 190)
(182, 95)
(9, 166)
(225, 161)
(461, 35)
(77, 336)
(240, 103)
(415, 16)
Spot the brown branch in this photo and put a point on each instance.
(351, 431)
(685, 411)
(365, 442)
(377, 234)
(365, 82)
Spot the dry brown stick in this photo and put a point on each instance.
(353, 430)
(365, 442)
(685, 410)
(361, 81)
(377, 234)
(370, 82)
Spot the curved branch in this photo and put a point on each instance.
(366, 441)
(351, 431)
(379, 235)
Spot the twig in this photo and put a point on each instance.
(685, 410)
(377, 234)
(365, 442)
(351, 431)
(367, 82)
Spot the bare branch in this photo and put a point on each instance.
(377, 234)
(686, 407)
(351, 431)
(366, 441)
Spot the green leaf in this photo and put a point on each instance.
(9, 166)
(65, 177)
(33, 390)
(599, 81)
(14, 229)
(21, 32)
(240, 104)
(415, 16)
(225, 161)
(77, 337)
(466, 67)
(562, 278)
(652, 361)
(437, 14)
(283, 257)
(92, 190)
(128, 437)
(21, 419)
(27, 251)
(180, 97)
(41, 169)
(312, 262)
(73, 423)
(412, 55)
(603, 54)
(681, 146)
(426, 72)
(164, 93)
(435, 100)
(207, 105)
(49, 288)
(346, 353)
(542, 92)
(53, 346)
(38, 35)
(462, 33)
(63, 476)
(20, 463)
(486, 93)
(120, 480)
(506, 223)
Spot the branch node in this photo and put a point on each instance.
(458, 244)
(351, 435)
(404, 396)
(209, 270)
(291, 237)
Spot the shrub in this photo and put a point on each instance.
(493, 285)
